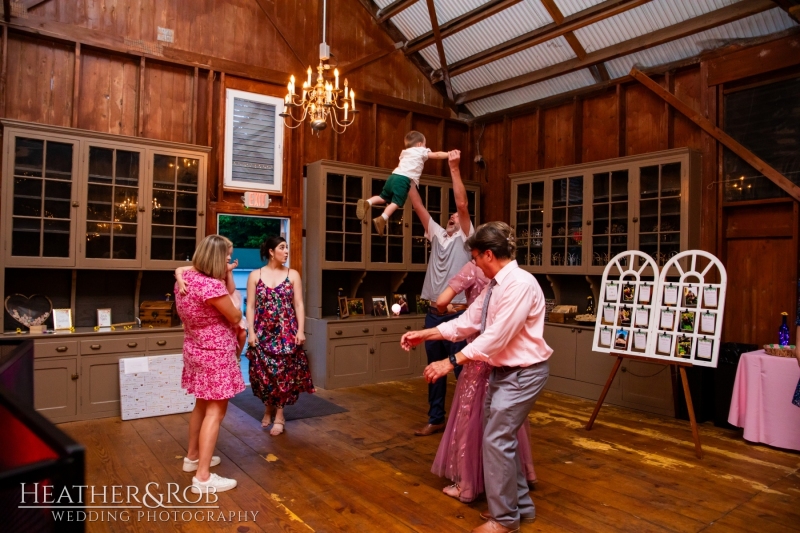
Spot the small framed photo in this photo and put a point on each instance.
(624, 317)
(687, 322)
(355, 306)
(683, 348)
(402, 301)
(104, 318)
(690, 296)
(379, 307)
(343, 312)
(62, 318)
(422, 307)
(628, 291)
(621, 340)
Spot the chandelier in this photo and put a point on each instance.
(322, 102)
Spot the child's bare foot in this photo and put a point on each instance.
(454, 491)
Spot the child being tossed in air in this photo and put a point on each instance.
(236, 298)
(395, 192)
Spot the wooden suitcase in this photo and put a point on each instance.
(159, 314)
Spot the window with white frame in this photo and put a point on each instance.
(253, 142)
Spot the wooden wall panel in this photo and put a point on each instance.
(600, 138)
(687, 88)
(492, 179)
(457, 137)
(357, 143)
(524, 140)
(429, 127)
(392, 127)
(167, 102)
(108, 89)
(558, 136)
(645, 120)
(40, 80)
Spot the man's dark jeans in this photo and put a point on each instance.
(438, 350)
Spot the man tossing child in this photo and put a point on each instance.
(395, 192)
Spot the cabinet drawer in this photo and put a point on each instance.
(55, 348)
(336, 331)
(165, 342)
(115, 345)
(393, 328)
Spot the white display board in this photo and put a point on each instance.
(683, 316)
(151, 386)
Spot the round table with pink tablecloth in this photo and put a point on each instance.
(762, 400)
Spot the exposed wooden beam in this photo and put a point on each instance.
(460, 23)
(30, 4)
(706, 125)
(367, 60)
(113, 43)
(600, 73)
(393, 9)
(265, 8)
(440, 48)
(774, 55)
(733, 12)
(790, 7)
(601, 11)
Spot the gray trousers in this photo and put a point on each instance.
(510, 397)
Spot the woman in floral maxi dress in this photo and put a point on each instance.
(275, 316)
(459, 457)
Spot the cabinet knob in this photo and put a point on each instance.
(141, 209)
(406, 224)
(408, 328)
(365, 330)
(95, 346)
(372, 350)
(133, 344)
(588, 222)
(61, 349)
(383, 328)
(572, 330)
(76, 204)
(74, 377)
(338, 332)
(624, 369)
(201, 214)
(547, 225)
(635, 220)
(161, 343)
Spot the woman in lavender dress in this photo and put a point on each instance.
(459, 457)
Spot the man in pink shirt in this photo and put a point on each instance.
(509, 318)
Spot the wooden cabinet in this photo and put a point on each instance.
(575, 219)
(76, 376)
(575, 369)
(344, 354)
(75, 198)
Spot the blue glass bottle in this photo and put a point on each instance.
(783, 331)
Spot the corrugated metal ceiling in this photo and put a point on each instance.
(529, 15)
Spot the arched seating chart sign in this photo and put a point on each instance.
(675, 317)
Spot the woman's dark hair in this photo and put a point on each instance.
(270, 243)
(495, 236)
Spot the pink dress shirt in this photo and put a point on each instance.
(514, 322)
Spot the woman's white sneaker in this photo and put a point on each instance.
(191, 466)
(221, 484)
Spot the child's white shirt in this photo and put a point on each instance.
(411, 162)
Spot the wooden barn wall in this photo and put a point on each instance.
(116, 81)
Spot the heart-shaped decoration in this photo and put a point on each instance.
(29, 311)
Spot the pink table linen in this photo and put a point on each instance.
(762, 400)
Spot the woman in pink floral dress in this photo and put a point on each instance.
(275, 317)
(459, 457)
(210, 368)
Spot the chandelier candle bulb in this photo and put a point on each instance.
(309, 76)
(345, 110)
(336, 76)
(353, 100)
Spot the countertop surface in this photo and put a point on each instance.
(90, 332)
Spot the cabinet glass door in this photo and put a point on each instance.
(112, 207)
(660, 211)
(530, 223)
(175, 197)
(432, 200)
(387, 250)
(343, 233)
(42, 196)
(566, 233)
(609, 216)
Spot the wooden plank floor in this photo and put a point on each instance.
(364, 470)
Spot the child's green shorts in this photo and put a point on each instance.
(396, 190)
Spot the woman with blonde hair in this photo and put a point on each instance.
(210, 368)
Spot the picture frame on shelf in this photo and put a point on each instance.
(422, 308)
(343, 311)
(402, 301)
(379, 306)
(104, 318)
(62, 319)
(355, 306)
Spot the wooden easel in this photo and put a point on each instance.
(681, 368)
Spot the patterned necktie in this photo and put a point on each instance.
(485, 309)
